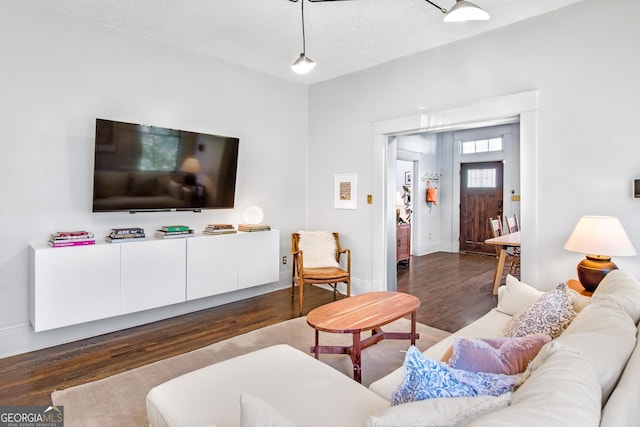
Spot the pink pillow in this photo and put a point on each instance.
(496, 355)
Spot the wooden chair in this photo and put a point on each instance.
(316, 274)
(512, 223)
(512, 226)
(513, 259)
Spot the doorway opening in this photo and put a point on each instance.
(520, 107)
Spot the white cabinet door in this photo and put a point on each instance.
(73, 285)
(258, 262)
(212, 265)
(153, 274)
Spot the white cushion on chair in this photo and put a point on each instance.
(318, 249)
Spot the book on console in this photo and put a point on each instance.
(78, 242)
(172, 228)
(219, 226)
(70, 235)
(127, 236)
(115, 232)
(221, 231)
(124, 239)
(173, 235)
(253, 227)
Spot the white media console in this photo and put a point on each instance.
(73, 285)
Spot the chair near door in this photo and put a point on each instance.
(512, 223)
(513, 259)
(316, 260)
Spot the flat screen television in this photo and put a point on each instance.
(149, 168)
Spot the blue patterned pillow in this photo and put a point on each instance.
(425, 378)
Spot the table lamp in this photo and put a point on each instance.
(599, 238)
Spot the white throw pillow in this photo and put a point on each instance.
(318, 249)
(516, 296)
(255, 412)
(439, 412)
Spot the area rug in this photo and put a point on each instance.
(120, 400)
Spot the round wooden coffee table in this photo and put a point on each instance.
(366, 312)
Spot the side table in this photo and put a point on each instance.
(577, 286)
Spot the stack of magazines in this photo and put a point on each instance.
(253, 227)
(219, 229)
(119, 235)
(61, 239)
(174, 231)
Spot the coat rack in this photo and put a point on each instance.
(430, 176)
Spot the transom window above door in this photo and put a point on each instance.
(481, 145)
(481, 178)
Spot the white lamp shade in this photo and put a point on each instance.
(190, 165)
(465, 11)
(303, 64)
(252, 215)
(600, 235)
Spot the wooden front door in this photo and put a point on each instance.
(480, 199)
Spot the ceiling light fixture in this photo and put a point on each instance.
(303, 64)
(462, 11)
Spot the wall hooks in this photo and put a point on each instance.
(430, 176)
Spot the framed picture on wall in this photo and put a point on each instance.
(408, 178)
(345, 191)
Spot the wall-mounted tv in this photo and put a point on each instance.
(149, 168)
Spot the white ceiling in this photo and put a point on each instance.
(265, 35)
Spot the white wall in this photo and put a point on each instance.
(57, 75)
(579, 58)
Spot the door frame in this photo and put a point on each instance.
(486, 112)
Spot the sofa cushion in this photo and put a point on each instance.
(622, 287)
(623, 407)
(211, 395)
(550, 314)
(426, 378)
(439, 412)
(507, 356)
(562, 391)
(490, 325)
(255, 412)
(605, 336)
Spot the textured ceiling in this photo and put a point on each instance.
(265, 35)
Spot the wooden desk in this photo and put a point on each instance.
(505, 242)
(354, 315)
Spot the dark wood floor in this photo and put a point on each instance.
(455, 289)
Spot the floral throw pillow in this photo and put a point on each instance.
(425, 378)
(550, 315)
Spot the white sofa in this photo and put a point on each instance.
(588, 376)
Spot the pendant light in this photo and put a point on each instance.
(303, 65)
(462, 11)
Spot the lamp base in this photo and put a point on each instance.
(592, 270)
